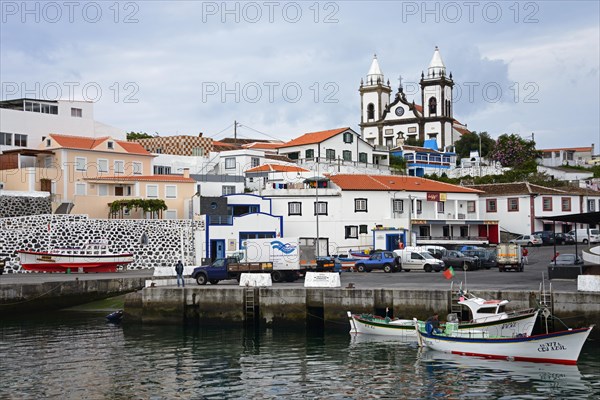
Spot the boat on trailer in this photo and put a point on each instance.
(91, 257)
(561, 347)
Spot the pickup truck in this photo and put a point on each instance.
(383, 260)
(227, 268)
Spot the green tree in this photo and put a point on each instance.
(398, 164)
(138, 135)
(470, 142)
(413, 141)
(515, 152)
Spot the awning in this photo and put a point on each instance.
(591, 218)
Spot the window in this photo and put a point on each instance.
(103, 190)
(20, 140)
(351, 232)
(198, 151)
(309, 154)
(162, 170)
(419, 206)
(294, 208)
(171, 214)
(363, 158)
(470, 206)
(228, 190)
(119, 167)
(230, 163)
(171, 191)
(440, 206)
(6, 138)
(347, 155)
(137, 168)
(330, 154)
(432, 106)
(360, 205)
(398, 206)
(464, 231)
(512, 204)
(321, 208)
(491, 205)
(110, 145)
(362, 229)
(152, 191)
(348, 137)
(255, 162)
(547, 203)
(102, 165)
(591, 205)
(80, 163)
(566, 203)
(371, 111)
(76, 112)
(80, 189)
(412, 129)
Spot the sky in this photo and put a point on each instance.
(284, 68)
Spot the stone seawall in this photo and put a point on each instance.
(278, 307)
(38, 297)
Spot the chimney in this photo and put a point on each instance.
(186, 172)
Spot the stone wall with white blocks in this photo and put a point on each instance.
(154, 243)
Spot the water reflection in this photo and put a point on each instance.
(74, 356)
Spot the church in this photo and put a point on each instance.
(389, 123)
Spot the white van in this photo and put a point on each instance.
(408, 260)
(584, 237)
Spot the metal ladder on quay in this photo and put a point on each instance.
(250, 304)
(546, 302)
(454, 297)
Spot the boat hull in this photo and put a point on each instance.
(558, 348)
(517, 325)
(50, 262)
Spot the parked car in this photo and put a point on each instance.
(586, 236)
(567, 259)
(487, 258)
(383, 260)
(564, 238)
(456, 259)
(546, 236)
(528, 240)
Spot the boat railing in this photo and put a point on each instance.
(509, 314)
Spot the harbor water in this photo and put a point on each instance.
(78, 355)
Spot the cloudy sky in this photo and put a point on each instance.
(285, 68)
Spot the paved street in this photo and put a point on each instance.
(539, 258)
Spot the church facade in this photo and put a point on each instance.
(390, 122)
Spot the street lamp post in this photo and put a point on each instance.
(317, 209)
(410, 198)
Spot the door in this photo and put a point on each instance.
(46, 185)
(392, 241)
(217, 249)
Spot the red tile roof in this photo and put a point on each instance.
(150, 178)
(277, 168)
(314, 137)
(568, 149)
(395, 182)
(500, 189)
(262, 145)
(461, 130)
(87, 143)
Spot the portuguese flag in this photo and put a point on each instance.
(449, 273)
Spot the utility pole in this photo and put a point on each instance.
(235, 132)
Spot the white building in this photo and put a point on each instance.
(388, 123)
(521, 207)
(361, 211)
(335, 150)
(565, 156)
(24, 122)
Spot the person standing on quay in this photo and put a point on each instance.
(179, 271)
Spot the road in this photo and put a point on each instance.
(530, 279)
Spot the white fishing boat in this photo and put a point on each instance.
(488, 316)
(91, 257)
(561, 347)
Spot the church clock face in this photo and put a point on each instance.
(399, 111)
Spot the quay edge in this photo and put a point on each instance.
(18, 298)
(292, 307)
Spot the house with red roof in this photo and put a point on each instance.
(85, 174)
(359, 211)
(567, 156)
(334, 150)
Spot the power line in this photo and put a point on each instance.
(257, 131)
(221, 131)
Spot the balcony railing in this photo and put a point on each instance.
(220, 219)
